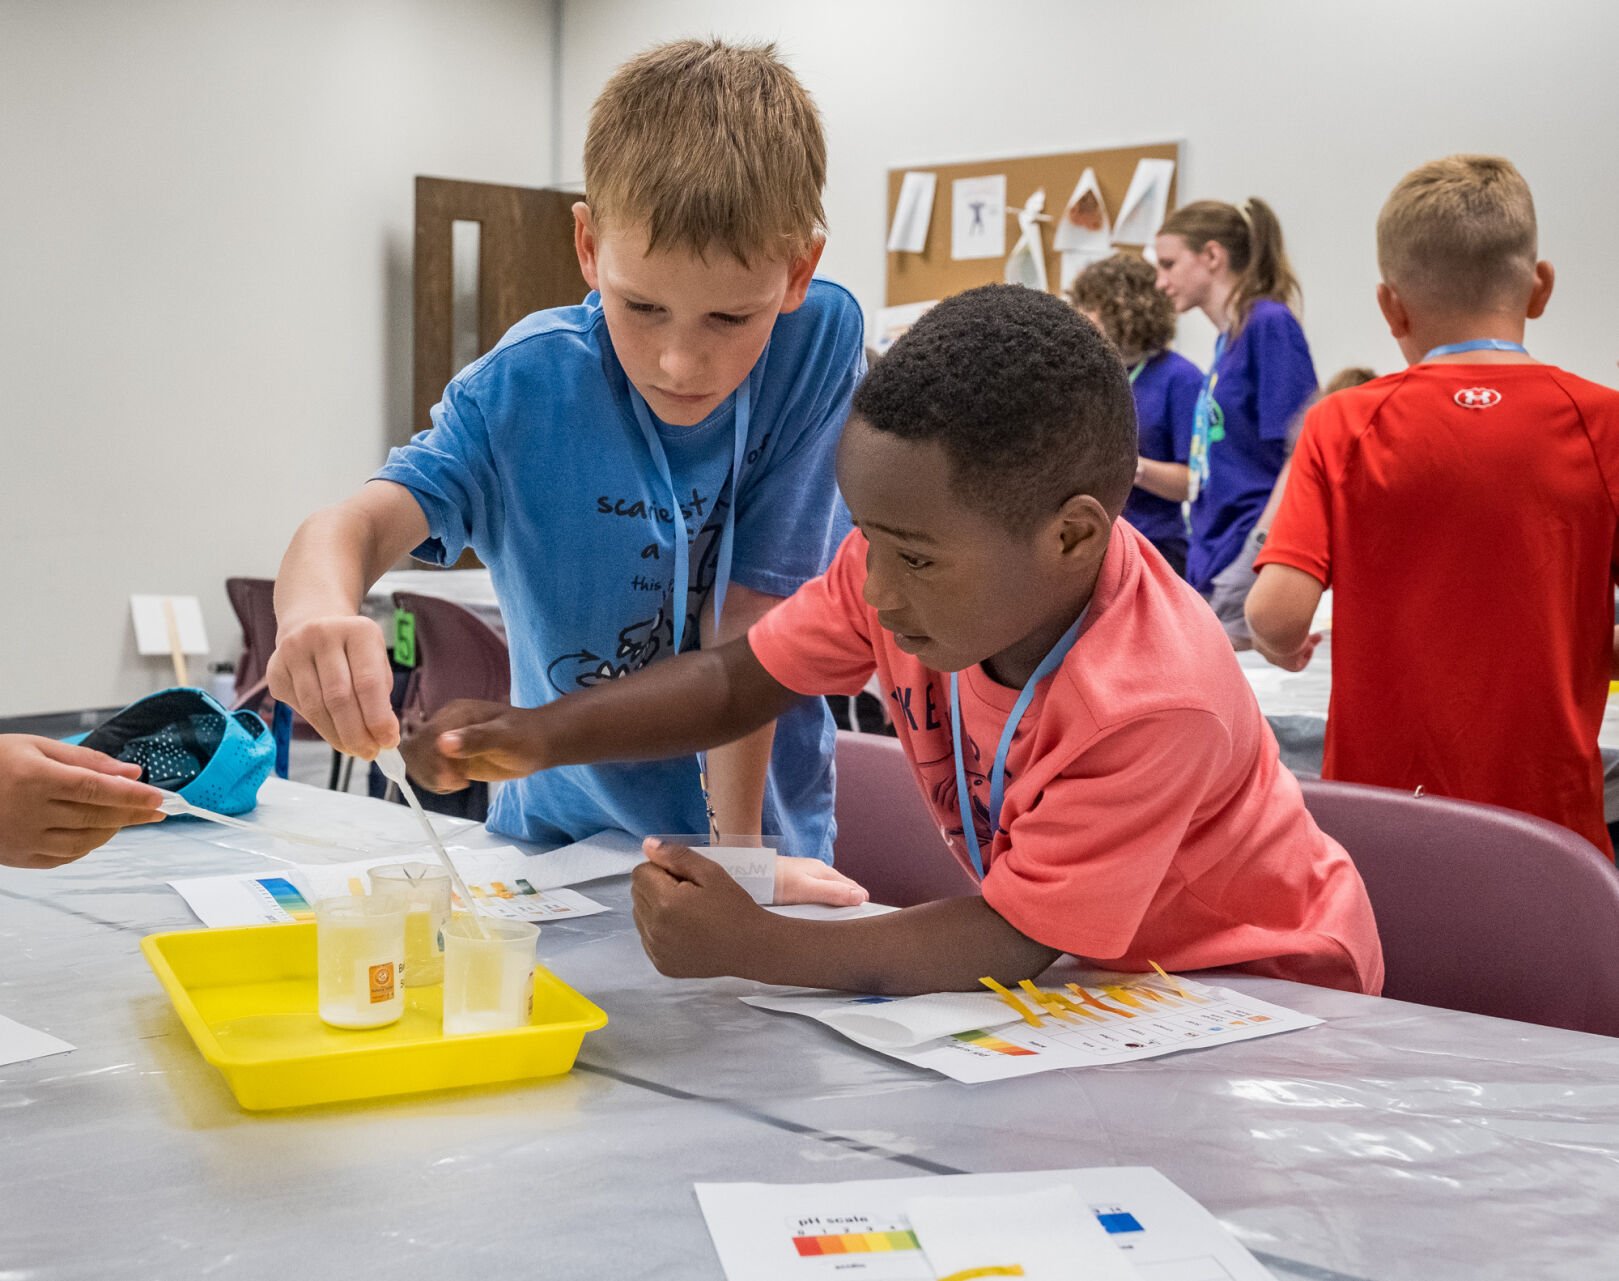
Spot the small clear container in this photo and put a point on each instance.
(424, 888)
(360, 958)
(489, 981)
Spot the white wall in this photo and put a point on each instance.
(1318, 107)
(205, 251)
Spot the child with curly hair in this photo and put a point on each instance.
(1120, 296)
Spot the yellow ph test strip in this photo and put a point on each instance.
(1011, 998)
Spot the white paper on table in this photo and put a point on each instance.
(152, 624)
(595, 858)
(1321, 621)
(18, 1044)
(913, 213)
(824, 912)
(1084, 226)
(769, 1232)
(894, 1022)
(889, 323)
(753, 869)
(1046, 1232)
(978, 217)
(1145, 203)
(505, 881)
(1168, 1017)
(1026, 265)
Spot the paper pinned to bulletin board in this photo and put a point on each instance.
(978, 217)
(908, 232)
(935, 272)
(1146, 203)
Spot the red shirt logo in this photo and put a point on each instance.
(1478, 398)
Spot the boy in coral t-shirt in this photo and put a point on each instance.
(1145, 816)
(1465, 513)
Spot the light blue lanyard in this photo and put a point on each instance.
(1202, 424)
(1476, 344)
(722, 569)
(997, 774)
(1136, 371)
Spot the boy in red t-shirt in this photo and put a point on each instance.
(1465, 514)
(1145, 816)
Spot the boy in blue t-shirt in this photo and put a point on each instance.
(645, 473)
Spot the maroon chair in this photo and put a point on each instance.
(1480, 908)
(888, 839)
(458, 655)
(253, 599)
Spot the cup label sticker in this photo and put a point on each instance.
(382, 982)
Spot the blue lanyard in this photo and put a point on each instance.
(997, 774)
(722, 569)
(1203, 418)
(1476, 344)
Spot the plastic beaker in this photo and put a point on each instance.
(488, 982)
(424, 888)
(360, 953)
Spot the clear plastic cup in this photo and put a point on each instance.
(424, 888)
(360, 956)
(488, 982)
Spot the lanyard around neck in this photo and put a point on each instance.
(1476, 344)
(997, 774)
(1203, 415)
(682, 554)
(1135, 371)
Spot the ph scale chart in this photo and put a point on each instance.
(860, 1234)
(281, 899)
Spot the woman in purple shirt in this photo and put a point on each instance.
(1120, 296)
(1229, 262)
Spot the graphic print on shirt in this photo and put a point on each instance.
(643, 639)
(923, 716)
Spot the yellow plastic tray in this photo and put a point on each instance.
(247, 996)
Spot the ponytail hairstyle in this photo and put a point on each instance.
(1252, 238)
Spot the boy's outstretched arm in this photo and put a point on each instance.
(688, 704)
(696, 922)
(330, 662)
(737, 771)
(1279, 610)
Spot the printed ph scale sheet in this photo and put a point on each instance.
(979, 1036)
(505, 881)
(891, 1229)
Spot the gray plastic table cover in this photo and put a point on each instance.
(1392, 1142)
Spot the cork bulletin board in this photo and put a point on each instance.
(933, 274)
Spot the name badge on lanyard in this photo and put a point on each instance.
(743, 397)
(1207, 418)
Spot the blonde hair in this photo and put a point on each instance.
(1252, 238)
(1459, 233)
(709, 144)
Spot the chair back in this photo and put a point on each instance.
(253, 599)
(1481, 908)
(888, 839)
(458, 655)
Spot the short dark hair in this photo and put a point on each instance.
(1028, 399)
